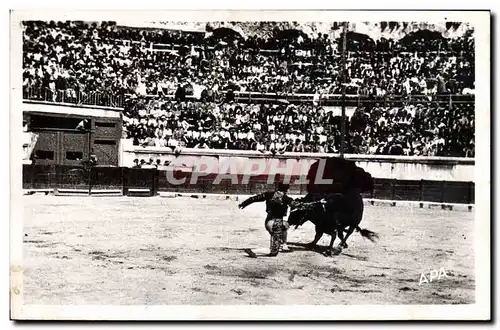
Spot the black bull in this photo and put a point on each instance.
(343, 209)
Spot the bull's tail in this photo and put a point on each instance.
(372, 236)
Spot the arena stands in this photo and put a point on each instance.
(408, 130)
(181, 86)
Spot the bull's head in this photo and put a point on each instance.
(300, 215)
(297, 217)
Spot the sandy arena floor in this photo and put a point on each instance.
(158, 251)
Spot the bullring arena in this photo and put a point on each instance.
(171, 251)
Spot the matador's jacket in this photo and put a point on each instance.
(277, 203)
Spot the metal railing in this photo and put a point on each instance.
(353, 100)
(71, 96)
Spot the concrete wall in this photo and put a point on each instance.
(382, 167)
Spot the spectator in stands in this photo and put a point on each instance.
(202, 144)
(136, 163)
(180, 93)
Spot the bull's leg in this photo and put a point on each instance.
(329, 250)
(317, 237)
(341, 234)
(342, 220)
(355, 218)
(349, 233)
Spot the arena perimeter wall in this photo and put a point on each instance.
(397, 178)
(404, 168)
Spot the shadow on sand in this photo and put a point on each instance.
(296, 246)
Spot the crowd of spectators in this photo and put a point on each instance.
(82, 59)
(414, 130)
(79, 57)
(405, 130)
